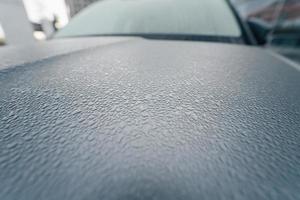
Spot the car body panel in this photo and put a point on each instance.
(146, 119)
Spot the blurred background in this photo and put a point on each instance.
(31, 21)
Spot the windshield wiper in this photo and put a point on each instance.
(184, 37)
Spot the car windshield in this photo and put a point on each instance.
(208, 19)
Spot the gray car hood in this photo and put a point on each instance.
(129, 118)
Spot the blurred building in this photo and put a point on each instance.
(286, 12)
(245, 7)
(75, 6)
(283, 16)
(14, 23)
(288, 16)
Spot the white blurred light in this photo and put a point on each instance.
(39, 10)
(2, 36)
(39, 35)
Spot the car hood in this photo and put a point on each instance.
(129, 118)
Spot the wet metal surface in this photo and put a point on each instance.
(143, 119)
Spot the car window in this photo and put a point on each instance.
(193, 17)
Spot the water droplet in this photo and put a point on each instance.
(143, 107)
(179, 108)
(148, 96)
(27, 137)
(57, 96)
(76, 112)
(11, 145)
(194, 116)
